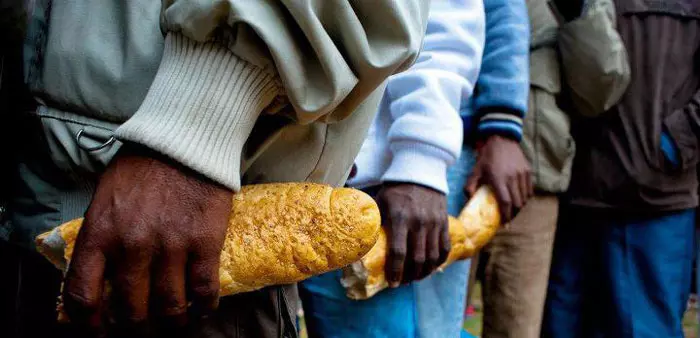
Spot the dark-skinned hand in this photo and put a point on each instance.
(415, 220)
(502, 165)
(155, 230)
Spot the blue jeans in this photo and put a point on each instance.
(616, 276)
(433, 307)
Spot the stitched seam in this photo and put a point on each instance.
(73, 122)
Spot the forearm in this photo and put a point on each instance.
(503, 83)
(425, 136)
(225, 61)
(327, 63)
(200, 112)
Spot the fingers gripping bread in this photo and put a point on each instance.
(277, 234)
(476, 225)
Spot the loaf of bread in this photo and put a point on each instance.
(278, 234)
(476, 225)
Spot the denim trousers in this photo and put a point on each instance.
(620, 275)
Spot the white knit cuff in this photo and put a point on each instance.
(420, 164)
(201, 108)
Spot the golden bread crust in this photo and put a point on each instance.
(481, 217)
(284, 233)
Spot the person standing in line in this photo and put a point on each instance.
(415, 136)
(146, 117)
(623, 251)
(516, 262)
(501, 91)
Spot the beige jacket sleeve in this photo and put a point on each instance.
(227, 61)
(594, 58)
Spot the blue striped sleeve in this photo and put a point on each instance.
(502, 88)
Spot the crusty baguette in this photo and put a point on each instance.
(476, 225)
(278, 234)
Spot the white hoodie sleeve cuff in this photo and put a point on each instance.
(419, 163)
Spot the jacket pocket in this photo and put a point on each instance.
(669, 149)
(77, 143)
(547, 141)
(684, 138)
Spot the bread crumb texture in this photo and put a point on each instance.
(284, 233)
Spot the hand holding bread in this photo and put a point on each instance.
(476, 225)
(415, 220)
(277, 234)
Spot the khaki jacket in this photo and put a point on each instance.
(588, 55)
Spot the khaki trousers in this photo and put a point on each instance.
(517, 270)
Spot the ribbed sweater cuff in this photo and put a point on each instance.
(501, 121)
(419, 163)
(201, 108)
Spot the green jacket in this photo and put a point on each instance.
(585, 59)
(191, 79)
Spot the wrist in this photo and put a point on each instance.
(131, 152)
(498, 138)
(503, 121)
(419, 164)
(135, 154)
(495, 141)
(394, 184)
